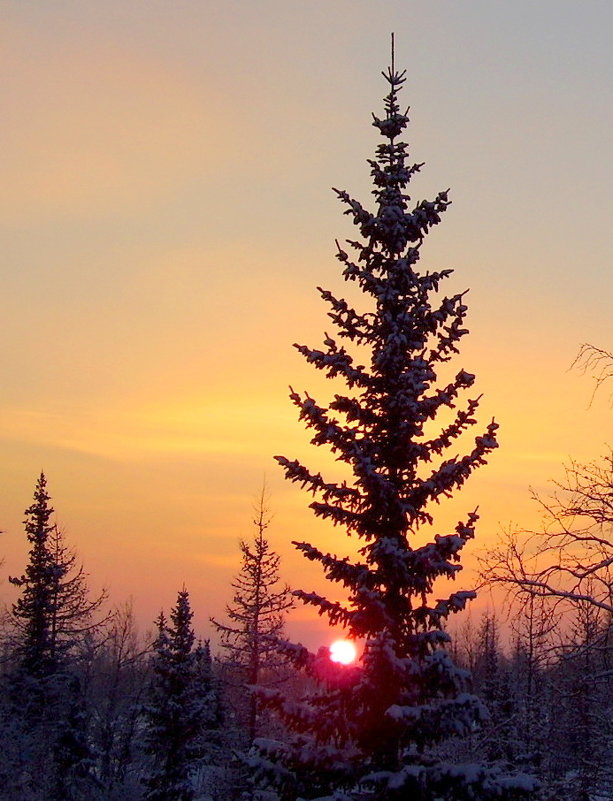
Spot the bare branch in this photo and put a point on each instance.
(598, 363)
(569, 561)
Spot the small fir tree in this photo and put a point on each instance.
(175, 711)
(372, 731)
(208, 685)
(256, 616)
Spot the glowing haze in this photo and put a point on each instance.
(343, 651)
(167, 214)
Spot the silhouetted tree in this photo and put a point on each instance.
(256, 615)
(209, 689)
(568, 561)
(54, 609)
(596, 361)
(51, 617)
(117, 674)
(373, 730)
(175, 709)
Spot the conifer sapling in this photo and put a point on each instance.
(175, 713)
(256, 617)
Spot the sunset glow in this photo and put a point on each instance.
(343, 651)
(167, 217)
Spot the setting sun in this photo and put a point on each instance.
(343, 651)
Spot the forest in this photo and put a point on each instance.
(442, 704)
(91, 709)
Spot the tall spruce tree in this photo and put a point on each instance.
(175, 713)
(372, 731)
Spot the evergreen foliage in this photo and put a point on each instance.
(175, 711)
(208, 686)
(54, 609)
(373, 730)
(51, 617)
(34, 609)
(256, 616)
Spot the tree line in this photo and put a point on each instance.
(90, 710)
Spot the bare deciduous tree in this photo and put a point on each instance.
(570, 560)
(597, 362)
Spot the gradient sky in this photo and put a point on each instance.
(166, 214)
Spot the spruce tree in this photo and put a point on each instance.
(51, 617)
(54, 610)
(256, 618)
(175, 710)
(34, 610)
(208, 687)
(372, 731)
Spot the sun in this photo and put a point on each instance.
(343, 651)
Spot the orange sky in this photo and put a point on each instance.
(166, 215)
